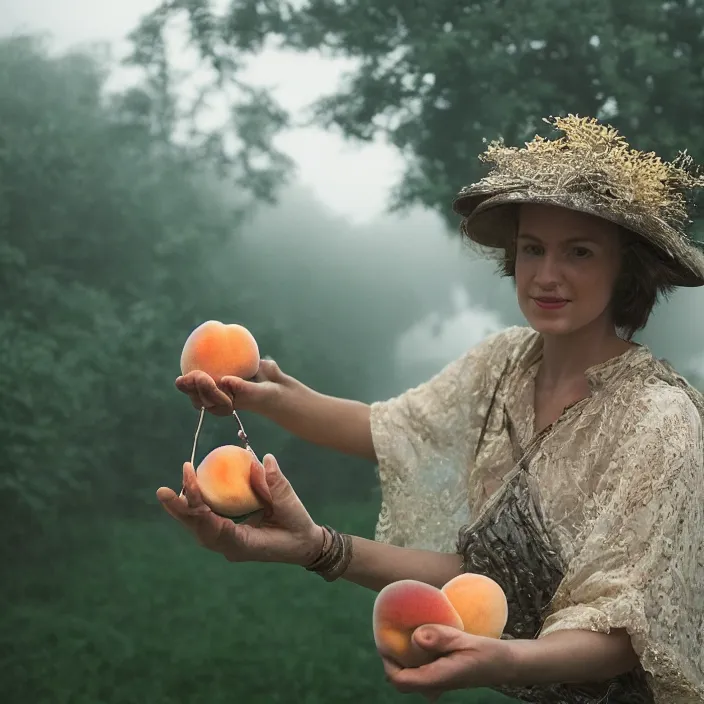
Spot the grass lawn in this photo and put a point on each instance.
(147, 617)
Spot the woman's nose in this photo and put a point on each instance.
(548, 270)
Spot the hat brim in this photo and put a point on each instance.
(490, 220)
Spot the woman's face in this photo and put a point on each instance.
(566, 268)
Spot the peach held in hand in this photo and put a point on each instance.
(400, 608)
(225, 481)
(470, 602)
(480, 602)
(221, 350)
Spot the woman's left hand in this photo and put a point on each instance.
(282, 532)
(463, 661)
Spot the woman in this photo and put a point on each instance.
(562, 459)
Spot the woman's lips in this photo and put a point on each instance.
(551, 303)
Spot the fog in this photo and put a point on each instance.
(333, 213)
(111, 252)
(458, 298)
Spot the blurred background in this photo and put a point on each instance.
(288, 166)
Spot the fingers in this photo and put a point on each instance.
(440, 639)
(258, 482)
(391, 668)
(431, 679)
(290, 511)
(171, 501)
(210, 530)
(276, 481)
(412, 680)
(187, 505)
(268, 370)
(394, 675)
(191, 489)
(231, 386)
(176, 506)
(238, 390)
(204, 392)
(255, 520)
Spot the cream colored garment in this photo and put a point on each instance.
(619, 479)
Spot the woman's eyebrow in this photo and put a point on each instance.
(576, 238)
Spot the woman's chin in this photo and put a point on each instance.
(552, 324)
(559, 321)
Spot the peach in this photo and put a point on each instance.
(469, 602)
(400, 608)
(480, 603)
(224, 479)
(221, 350)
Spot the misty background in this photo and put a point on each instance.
(290, 169)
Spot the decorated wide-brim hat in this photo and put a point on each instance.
(590, 169)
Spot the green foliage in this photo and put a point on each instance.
(241, 147)
(148, 616)
(116, 240)
(122, 227)
(438, 79)
(102, 230)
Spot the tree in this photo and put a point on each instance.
(105, 235)
(438, 78)
(116, 240)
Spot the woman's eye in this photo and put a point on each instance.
(582, 252)
(532, 249)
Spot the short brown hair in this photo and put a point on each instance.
(645, 276)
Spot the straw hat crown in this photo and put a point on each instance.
(592, 169)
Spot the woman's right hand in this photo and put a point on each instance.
(283, 531)
(233, 393)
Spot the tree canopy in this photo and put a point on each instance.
(116, 240)
(438, 78)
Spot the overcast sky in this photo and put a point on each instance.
(352, 179)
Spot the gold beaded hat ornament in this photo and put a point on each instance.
(590, 169)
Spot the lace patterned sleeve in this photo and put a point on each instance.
(641, 565)
(421, 440)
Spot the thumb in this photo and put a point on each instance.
(269, 483)
(239, 389)
(277, 483)
(439, 639)
(276, 492)
(260, 485)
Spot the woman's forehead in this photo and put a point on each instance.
(546, 221)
